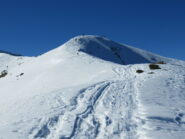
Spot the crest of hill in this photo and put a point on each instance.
(99, 47)
(108, 50)
(9, 53)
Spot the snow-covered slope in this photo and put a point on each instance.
(90, 88)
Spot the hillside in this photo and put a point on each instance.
(92, 87)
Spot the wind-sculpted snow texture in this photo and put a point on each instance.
(89, 89)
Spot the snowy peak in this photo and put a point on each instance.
(108, 50)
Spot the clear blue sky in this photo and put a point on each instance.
(32, 27)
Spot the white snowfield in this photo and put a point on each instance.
(90, 88)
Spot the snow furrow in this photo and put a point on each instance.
(81, 116)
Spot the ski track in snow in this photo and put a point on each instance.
(105, 109)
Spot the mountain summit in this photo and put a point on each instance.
(106, 49)
(92, 88)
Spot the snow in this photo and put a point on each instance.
(89, 88)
